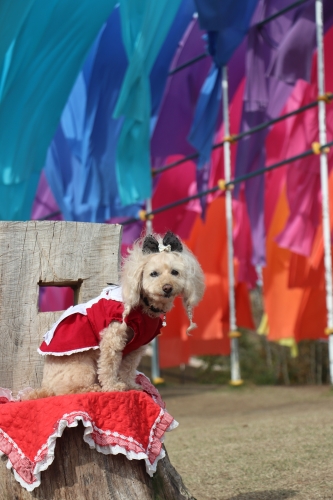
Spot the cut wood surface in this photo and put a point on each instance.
(38, 253)
(79, 473)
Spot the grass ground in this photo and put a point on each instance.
(252, 443)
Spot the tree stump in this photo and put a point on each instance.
(79, 473)
(84, 257)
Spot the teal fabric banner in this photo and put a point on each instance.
(41, 52)
(11, 19)
(145, 24)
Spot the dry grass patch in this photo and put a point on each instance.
(255, 443)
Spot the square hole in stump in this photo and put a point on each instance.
(56, 298)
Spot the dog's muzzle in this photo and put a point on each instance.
(167, 289)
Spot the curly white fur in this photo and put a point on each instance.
(137, 264)
(150, 281)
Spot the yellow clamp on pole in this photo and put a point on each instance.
(229, 138)
(221, 185)
(236, 383)
(316, 148)
(328, 331)
(143, 215)
(158, 380)
(234, 334)
(326, 97)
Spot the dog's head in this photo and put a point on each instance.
(157, 271)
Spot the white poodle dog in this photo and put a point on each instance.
(97, 346)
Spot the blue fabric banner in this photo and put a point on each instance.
(47, 46)
(227, 24)
(80, 166)
(144, 27)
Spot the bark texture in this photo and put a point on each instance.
(79, 473)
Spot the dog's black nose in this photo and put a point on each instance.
(167, 289)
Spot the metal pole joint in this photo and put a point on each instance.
(326, 97)
(224, 186)
(144, 216)
(318, 149)
(234, 334)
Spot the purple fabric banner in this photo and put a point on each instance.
(266, 93)
(180, 98)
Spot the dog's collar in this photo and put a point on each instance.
(151, 307)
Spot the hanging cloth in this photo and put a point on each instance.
(81, 169)
(276, 59)
(47, 48)
(227, 24)
(144, 28)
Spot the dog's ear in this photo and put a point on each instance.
(194, 285)
(131, 280)
(174, 242)
(150, 244)
(131, 275)
(195, 280)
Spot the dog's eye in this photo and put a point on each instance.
(174, 272)
(154, 274)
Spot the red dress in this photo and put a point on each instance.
(78, 329)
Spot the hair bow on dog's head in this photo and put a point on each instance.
(150, 245)
(171, 240)
(170, 244)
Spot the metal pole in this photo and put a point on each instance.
(234, 356)
(149, 223)
(155, 364)
(324, 181)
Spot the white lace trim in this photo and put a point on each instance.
(174, 424)
(112, 292)
(7, 393)
(156, 436)
(66, 353)
(71, 420)
(9, 464)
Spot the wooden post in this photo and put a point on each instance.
(86, 257)
(33, 254)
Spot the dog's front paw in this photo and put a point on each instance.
(117, 386)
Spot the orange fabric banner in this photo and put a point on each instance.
(208, 243)
(281, 302)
